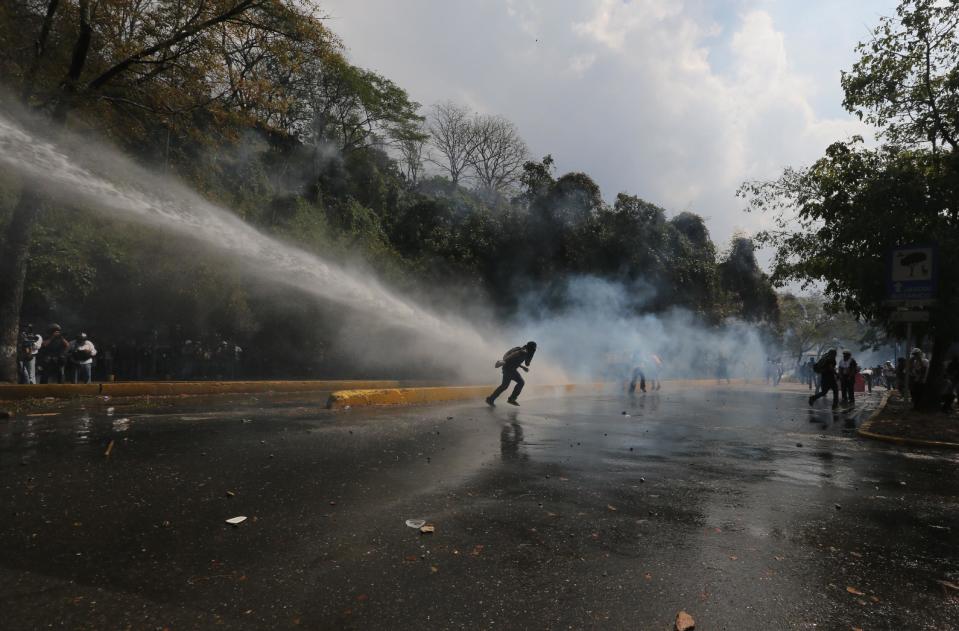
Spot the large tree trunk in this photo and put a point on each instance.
(13, 265)
(13, 274)
(931, 399)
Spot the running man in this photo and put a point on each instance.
(513, 360)
(826, 369)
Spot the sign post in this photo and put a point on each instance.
(912, 286)
(912, 273)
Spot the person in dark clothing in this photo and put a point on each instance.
(53, 355)
(918, 369)
(951, 389)
(826, 369)
(513, 360)
(722, 369)
(638, 374)
(640, 377)
(848, 369)
(901, 376)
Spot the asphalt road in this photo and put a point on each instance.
(743, 508)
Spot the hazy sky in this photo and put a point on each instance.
(677, 101)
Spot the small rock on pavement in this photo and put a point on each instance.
(684, 622)
(838, 507)
(799, 444)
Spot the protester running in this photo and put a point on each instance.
(826, 369)
(513, 360)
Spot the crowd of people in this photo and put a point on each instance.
(908, 376)
(56, 358)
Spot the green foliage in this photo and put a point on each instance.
(746, 284)
(836, 222)
(906, 81)
(811, 325)
(262, 113)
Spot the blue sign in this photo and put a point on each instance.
(912, 272)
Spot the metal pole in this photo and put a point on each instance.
(905, 395)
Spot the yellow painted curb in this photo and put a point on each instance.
(174, 388)
(45, 390)
(413, 396)
(898, 440)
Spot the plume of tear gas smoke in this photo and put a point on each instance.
(384, 330)
(396, 331)
(598, 336)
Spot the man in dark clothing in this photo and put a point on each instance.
(951, 390)
(918, 368)
(640, 377)
(53, 354)
(826, 369)
(848, 369)
(722, 369)
(811, 374)
(513, 360)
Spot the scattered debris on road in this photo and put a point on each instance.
(109, 450)
(427, 529)
(416, 523)
(684, 622)
(236, 521)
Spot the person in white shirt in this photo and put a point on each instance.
(889, 375)
(848, 369)
(82, 353)
(27, 354)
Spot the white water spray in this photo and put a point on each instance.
(102, 180)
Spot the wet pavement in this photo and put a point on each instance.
(742, 507)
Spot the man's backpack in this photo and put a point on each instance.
(820, 365)
(510, 355)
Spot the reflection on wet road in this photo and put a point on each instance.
(747, 509)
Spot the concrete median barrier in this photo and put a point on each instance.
(378, 392)
(354, 398)
(372, 397)
(177, 388)
(43, 391)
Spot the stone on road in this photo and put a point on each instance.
(564, 513)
